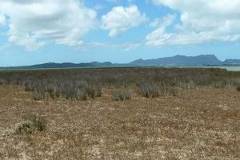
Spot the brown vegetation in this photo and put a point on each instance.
(238, 88)
(77, 114)
(121, 95)
(81, 84)
(31, 123)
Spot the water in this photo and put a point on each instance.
(228, 68)
(232, 68)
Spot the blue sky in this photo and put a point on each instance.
(39, 31)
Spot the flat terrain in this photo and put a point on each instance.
(200, 123)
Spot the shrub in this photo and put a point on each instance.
(2, 82)
(80, 90)
(98, 91)
(53, 91)
(121, 95)
(31, 123)
(238, 88)
(186, 84)
(74, 94)
(148, 90)
(93, 91)
(38, 94)
(28, 85)
(166, 90)
(74, 91)
(220, 84)
(77, 83)
(81, 94)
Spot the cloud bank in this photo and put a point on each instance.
(200, 21)
(34, 22)
(121, 19)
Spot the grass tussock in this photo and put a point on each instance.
(31, 123)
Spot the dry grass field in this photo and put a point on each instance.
(195, 123)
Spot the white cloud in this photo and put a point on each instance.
(200, 21)
(33, 22)
(2, 19)
(121, 19)
(164, 21)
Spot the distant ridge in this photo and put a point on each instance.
(179, 60)
(71, 65)
(175, 61)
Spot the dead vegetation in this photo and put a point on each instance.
(238, 88)
(165, 114)
(31, 123)
(82, 84)
(121, 95)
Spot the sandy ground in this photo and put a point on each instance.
(196, 124)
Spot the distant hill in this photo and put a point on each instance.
(175, 61)
(52, 65)
(179, 60)
(71, 65)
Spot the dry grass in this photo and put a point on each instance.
(201, 123)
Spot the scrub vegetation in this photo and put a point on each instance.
(120, 113)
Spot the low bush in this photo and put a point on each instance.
(53, 91)
(220, 84)
(167, 91)
(80, 90)
(71, 90)
(2, 82)
(238, 88)
(121, 95)
(80, 94)
(28, 85)
(38, 94)
(148, 90)
(74, 93)
(88, 83)
(31, 123)
(93, 91)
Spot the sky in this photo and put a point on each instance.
(119, 31)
